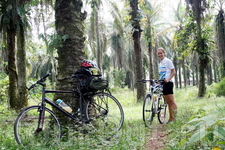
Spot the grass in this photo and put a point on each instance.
(133, 134)
(190, 107)
(7, 120)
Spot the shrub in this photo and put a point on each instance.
(4, 84)
(220, 88)
(119, 77)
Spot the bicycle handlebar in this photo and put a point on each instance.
(39, 81)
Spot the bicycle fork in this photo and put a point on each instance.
(41, 119)
(41, 110)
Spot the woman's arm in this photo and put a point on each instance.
(173, 73)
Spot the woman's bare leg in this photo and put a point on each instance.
(172, 106)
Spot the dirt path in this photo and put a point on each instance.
(156, 139)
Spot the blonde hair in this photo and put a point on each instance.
(162, 49)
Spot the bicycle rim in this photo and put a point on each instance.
(162, 110)
(148, 111)
(105, 113)
(27, 134)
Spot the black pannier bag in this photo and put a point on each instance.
(97, 83)
(90, 82)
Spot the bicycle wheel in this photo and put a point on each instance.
(27, 132)
(148, 110)
(162, 109)
(105, 112)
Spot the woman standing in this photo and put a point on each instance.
(167, 72)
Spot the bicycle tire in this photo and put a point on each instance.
(105, 112)
(162, 106)
(148, 110)
(26, 132)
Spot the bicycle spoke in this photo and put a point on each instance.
(148, 111)
(105, 112)
(28, 133)
(162, 110)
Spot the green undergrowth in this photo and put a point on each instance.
(200, 121)
(199, 125)
(131, 136)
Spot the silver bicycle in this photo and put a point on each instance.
(154, 102)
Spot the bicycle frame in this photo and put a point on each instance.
(46, 100)
(156, 101)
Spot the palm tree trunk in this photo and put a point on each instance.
(180, 73)
(99, 51)
(184, 72)
(198, 8)
(151, 66)
(11, 48)
(69, 22)
(202, 87)
(210, 74)
(4, 54)
(176, 66)
(202, 61)
(220, 38)
(137, 49)
(21, 65)
(13, 92)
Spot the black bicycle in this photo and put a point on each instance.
(154, 102)
(38, 125)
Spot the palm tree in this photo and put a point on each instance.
(220, 34)
(198, 7)
(121, 56)
(136, 34)
(11, 48)
(117, 37)
(69, 22)
(96, 34)
(22, 25)
(13, 23)
(154, 36)
(176, 43)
